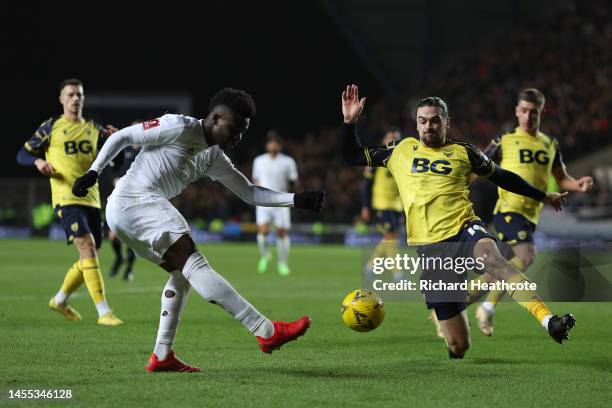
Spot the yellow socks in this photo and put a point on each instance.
(517, 263)
(495, 296)
(95, 284)
(529, 299)
(72, 281)
(475, 294)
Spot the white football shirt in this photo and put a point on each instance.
(274, 173)
(175, 153)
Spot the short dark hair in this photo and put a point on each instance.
(274, 136)
(70, 81)
(532, 95)
(435, 102)
(235, 99)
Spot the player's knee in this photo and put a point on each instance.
(177, 255)
(493, 262)
(85, 245)
(281, 233)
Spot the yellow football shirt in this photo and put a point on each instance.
(71, 148)
(532, 158)
(385, 194)
(433, 185)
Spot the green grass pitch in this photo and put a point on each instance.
(400, 364)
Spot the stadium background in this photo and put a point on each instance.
(295, 58)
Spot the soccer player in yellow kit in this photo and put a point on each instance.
(381, 196)
(432, 174)
(534, 156)
(63, 148)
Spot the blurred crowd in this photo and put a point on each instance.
(568, 56)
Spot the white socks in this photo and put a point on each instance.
(173, 300)
(489, 307)
(262, 242)
(102, 308)
(214, 288)
(545, 321)
(282, 249)
(61, 298)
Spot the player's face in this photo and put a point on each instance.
(72, 99)
(431, 126)
(273, 147)
(229, 128)
(528, 115)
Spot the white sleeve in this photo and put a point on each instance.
(256, 166)
(293, 173)
(113, 145)
(223, 171)
(159, 132)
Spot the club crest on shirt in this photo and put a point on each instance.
(150, 124)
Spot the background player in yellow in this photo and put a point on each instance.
(534, 156)
(381, 196)
(432, 174)
(63, 148)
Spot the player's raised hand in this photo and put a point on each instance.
(557, 200)
(44, 167)
(584, 184)
(309, 200)
(352, 106)
(81, 184)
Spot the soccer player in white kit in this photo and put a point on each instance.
(276, 171)
(176, 151)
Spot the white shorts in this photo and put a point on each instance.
(280, 217)
(149, 225)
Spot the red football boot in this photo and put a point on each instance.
(171, 363)
(283, 333)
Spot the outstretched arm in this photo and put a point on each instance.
(484, 166)
(565, 181)
(224, 172)
(516, 184)
(353, 152)
(112, 147)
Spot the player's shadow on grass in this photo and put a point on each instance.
(362, 340)
(339, 373)
(394, 370)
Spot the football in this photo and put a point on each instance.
(363, 310)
